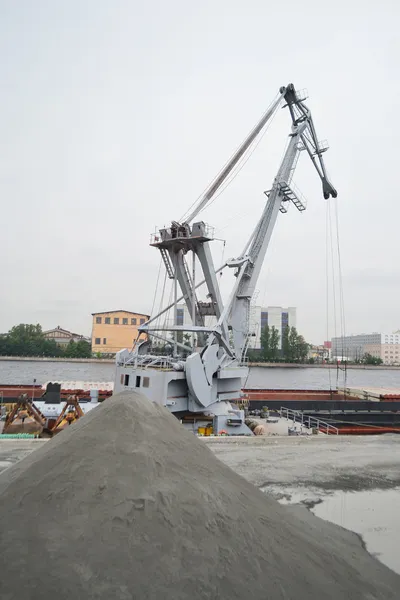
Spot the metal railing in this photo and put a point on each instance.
(297, 416)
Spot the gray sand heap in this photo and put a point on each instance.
(126, 504)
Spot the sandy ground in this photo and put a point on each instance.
(12, 451)
(328, 462)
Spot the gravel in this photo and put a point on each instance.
(126, 504)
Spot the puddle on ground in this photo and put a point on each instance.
(373, 514)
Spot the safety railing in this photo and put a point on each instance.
(297, 416)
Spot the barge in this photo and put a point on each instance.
(352, 410)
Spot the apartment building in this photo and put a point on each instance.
(381, 345)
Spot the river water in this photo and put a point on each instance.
(15, 372)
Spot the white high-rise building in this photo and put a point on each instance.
(273, 316)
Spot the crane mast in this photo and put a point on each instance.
(209, 374)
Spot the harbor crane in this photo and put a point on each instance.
(205, 379)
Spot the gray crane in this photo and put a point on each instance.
(212, 375)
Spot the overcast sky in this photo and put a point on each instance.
(116, 114)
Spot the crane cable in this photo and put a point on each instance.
(336, 274)
(332, 257)
(156, 290)
(158, 320)
(242, 162)
(327, 283)
(232, 176)
(341, 295)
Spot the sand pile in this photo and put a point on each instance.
(125, 504)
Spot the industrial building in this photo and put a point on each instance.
(380, 345)
(116, 329)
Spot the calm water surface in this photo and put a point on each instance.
(372, 514)
(276, 378)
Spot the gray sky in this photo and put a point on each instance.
(116, 114)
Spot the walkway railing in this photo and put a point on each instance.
(306, 421)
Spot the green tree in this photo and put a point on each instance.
(83, 349)
(70, 350)
(294, 346)
(270, 344)
(302, 349)
(26, 340)
(51, 348)
(265, 342)
(80, 349)
(4, 345)
(368, 359)
(285, 344)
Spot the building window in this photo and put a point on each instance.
(98, 319)
(104, 341)
(97, 341)
(137, 381)
(146, 382)
(124, 321)
(142, 321)
(107, 320)
(133, 321)
(116, 320)
(126, 382)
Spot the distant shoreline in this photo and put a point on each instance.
(56, 359)
(262, 365)
(319, 366)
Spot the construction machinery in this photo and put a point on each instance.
(70, 413)
(207, 377)
(24, 418)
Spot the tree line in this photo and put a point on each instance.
(28, 340)
(293, 349)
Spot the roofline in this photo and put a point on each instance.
(108, 312)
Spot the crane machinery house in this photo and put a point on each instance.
(201, 377)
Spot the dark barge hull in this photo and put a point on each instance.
(349, 416)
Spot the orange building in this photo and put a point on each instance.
(116, 329)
